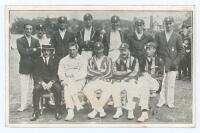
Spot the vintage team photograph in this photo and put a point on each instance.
(100, 66)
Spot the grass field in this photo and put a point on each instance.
(181, 114)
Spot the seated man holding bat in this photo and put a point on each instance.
(125, 72)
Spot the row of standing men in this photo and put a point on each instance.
(168, 47)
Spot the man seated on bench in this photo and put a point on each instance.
(72, 72)
(152, 69)
(46, 80)
(99, 74)
(125, 66)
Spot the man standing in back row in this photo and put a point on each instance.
(137, 40)
(113, 39)
(61, 38)
(87, 37)
(170, 49)
(28, 48)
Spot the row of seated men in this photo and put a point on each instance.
(100, 73)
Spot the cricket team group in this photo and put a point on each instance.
(101, 65)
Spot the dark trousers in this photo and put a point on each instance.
(187, 65)
(142, 61)
(38, 91)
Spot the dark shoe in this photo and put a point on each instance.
(35, 116)
(58, 116)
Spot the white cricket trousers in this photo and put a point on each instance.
(130, 87)
(90, 92)
(26, 83)
(71, 93)
(167, 91)
(132, 91)
(145, 84)
(141, 90)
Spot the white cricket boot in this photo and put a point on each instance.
(143, 117)
(92, 114)
(118, 113)
(70, 115)
(130, 115)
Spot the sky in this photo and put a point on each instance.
(127, 15)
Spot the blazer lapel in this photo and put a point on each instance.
(108, 37)
(59, 36)
(65, 36)
(164, 37)
(32, 43)
(92, 33)
(171, 38)
(26, 42)
(135, 36)
(82, 34)
(143, 36)
(121, 35)
(166, 43)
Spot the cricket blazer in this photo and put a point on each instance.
(94, 37)
(171, 51)
(27, 55)
(94, 71)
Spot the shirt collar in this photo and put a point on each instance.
(168, 33)
(140, 34)
(45, 58)
(43, 37)
(62, 31)
(27, 37)
(125, 58)
(77, 57)
(117, 30)
(90, 29)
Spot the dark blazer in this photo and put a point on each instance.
(27, 55)
(136, 45)
(94, 37)
(106, 41)
(43, 72)
(61, 45)
(171, 51)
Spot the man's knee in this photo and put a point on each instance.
(56, 88)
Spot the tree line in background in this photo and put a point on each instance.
(75, 25)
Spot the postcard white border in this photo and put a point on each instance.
(100, 7)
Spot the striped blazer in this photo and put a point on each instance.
(95, 72)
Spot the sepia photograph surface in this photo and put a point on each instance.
(100, 66)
